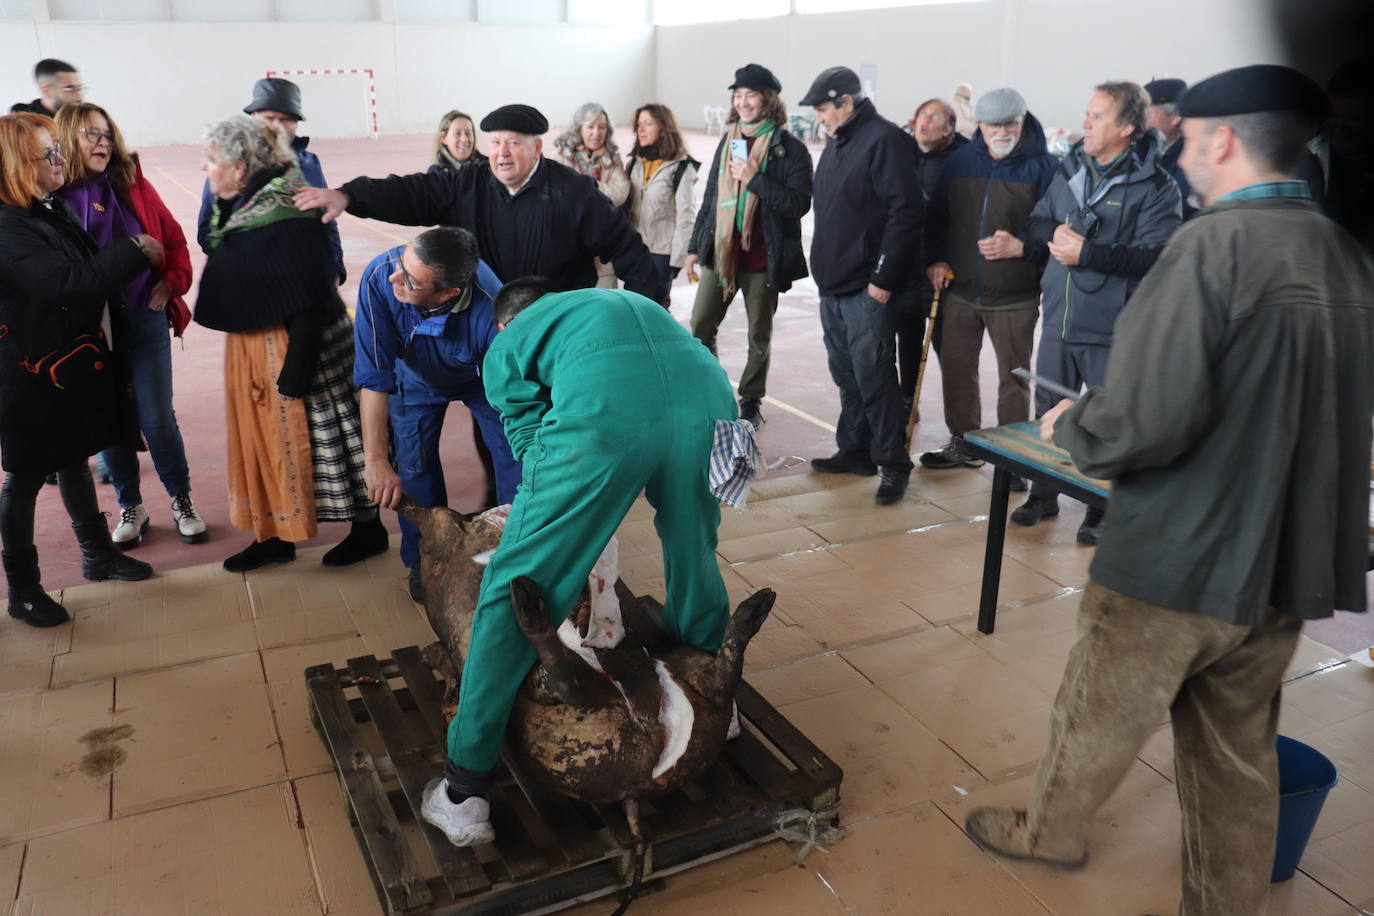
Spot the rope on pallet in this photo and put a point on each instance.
(812, 829)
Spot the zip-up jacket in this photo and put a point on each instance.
(976, 196)
(1126, 220)
(868, 207)
(784, 192)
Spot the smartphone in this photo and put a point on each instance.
(739, 148)
(1052, 387)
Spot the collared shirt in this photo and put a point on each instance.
(396, 346)
(514, 191)
(1288, 187)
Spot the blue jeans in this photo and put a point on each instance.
(861, 347)
(417, 419)
(149, 353)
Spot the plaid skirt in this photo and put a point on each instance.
(336, 433)
(292, 463)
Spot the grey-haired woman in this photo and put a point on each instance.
(588, 148)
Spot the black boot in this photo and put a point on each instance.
(28, 601)
(100, 559)
(365, 539)
(260, 553)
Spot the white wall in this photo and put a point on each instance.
(1053, 51)
(163, 81)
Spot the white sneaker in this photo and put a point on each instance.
(189, 524)
(133, 521)
(465, 824)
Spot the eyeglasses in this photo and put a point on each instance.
(54, 155)
(95, 135)
(410, 281)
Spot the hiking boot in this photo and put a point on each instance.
(1005, 831)
(844, 463)
(416, 586)
(465, 823)
(189, 523)
(749, 410)
(100, 559)
(1035, 510)
(951, 456)
(893, 486)
(133, 521)
(260, 553)
(365, 539)
(1091, 530)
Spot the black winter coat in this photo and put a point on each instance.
(868, 207)
(784, 193)
(555, 226)
(54, 286)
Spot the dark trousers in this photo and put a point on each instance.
(1134, 665)
(1074, 365)
(861, 347)
(19, 496)
(912, 313)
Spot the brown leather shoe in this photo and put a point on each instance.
(1004, 831)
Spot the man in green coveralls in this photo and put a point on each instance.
(602, 395)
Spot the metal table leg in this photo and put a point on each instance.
(992, 558)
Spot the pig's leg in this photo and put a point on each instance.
(719, 681)
(558, 680)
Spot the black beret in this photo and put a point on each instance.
(523, 119)
(756, 77)
(1246, 90)
(830, 85)
(1165, 91)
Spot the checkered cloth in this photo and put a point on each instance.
(735, 460)
(336, 436)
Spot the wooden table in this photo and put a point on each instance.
(1016, 449)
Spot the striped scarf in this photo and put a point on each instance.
(736, 208)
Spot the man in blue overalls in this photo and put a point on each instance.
(422, 328)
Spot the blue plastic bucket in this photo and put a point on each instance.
(1305, 776)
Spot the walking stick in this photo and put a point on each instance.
(921, 369)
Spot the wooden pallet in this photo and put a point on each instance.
(382, 723)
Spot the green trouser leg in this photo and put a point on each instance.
(760, 303)
(571, 500)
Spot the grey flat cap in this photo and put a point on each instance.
(998, 106)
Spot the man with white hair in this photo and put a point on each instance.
(987, 191)
(531, 216)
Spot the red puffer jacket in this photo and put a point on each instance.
(158, 222)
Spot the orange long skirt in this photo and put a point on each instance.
(271, 487)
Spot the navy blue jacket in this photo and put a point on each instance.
(314, 174)
(868, 205)
(977, 195)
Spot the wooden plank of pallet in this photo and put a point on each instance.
(395, 867)
(459, 866)
(426, 691)
(571, 833)
(801, 751)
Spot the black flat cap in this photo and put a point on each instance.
(276, 94)
(523, 119)
(1260, 87)
(830, 85)
(1165, 91)
(756, 77)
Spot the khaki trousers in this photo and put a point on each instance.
(760, 302)
(961, 342)
(1135, 664)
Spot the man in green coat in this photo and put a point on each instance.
(602, 395)
(1235, 426)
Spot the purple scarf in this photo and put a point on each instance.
(108, 219)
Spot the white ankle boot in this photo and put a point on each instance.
(133, 521)
(189, 523)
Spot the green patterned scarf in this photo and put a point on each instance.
(269, 204)
(736, 208)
